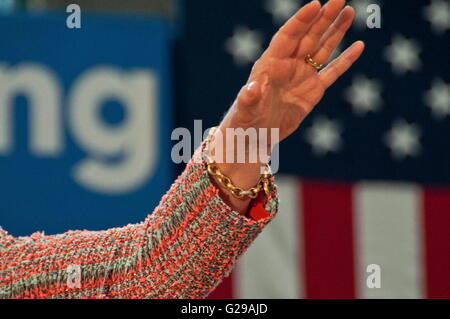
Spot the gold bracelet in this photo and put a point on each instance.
(264, 182)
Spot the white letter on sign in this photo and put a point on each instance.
(120, 158)
(41, 88)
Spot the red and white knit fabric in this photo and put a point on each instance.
(182, 250)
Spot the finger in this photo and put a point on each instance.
(334, 35)
(335, 69)
(327, 15)
(286, 40)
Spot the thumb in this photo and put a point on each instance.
(249, 95)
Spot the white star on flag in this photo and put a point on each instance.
(324, 136)
(245, 45)
(282, 10)
(438, 14)
(364, 95)
(438, 98)
(403, 54)
(403, 140)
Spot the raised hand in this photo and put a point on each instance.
(283, 88)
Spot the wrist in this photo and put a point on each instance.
(232, 168)
(239, 154)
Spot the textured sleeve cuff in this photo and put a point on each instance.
(203, 236)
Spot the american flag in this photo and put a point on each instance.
(365, 180)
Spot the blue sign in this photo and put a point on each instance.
(85, 121)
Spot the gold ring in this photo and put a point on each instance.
(312, 63)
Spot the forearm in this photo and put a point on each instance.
(202, 237)
(182, 250)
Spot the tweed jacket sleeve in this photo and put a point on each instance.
(183, 249)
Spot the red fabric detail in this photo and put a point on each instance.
(256, 209)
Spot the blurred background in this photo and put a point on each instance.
(86, 116)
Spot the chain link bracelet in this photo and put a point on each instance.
(264, 182)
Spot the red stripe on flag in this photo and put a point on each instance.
(436, 210)
(225, 289)
(328, 240)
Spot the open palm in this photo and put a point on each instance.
(283, 88)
